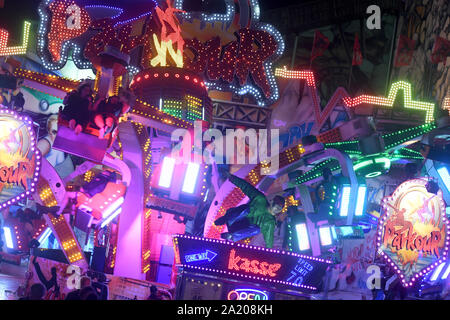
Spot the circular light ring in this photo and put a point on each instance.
(163, 75)
(374, 174)
(372, 166)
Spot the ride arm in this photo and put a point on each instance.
(250, 191)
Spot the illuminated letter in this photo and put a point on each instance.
(254, 265)
(264, 268)
(274, 268)
(251, 61)
(232, 262)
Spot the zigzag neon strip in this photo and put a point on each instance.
(12, 51)
(349, 102)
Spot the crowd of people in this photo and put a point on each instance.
(92, 286)
(89, 290)
(80, 109)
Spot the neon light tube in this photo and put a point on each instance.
(165, 178)
(345, 201)
(302, 236)
(445, 275)
(333, 231)
(362, 190)
(111, 217)
(8, 238)
(190, 179)
(443, 173)
(44, 236)
(386, 161)
(112, 208)
(437, 271)
(325, 236)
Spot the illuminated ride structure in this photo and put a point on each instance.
(133, 198)
(128, 175)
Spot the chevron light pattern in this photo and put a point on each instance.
(349, 102)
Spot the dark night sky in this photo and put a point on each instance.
(16, 11)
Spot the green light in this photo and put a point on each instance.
(362, 164)
(373, 174)
(373, 166)
(386, 161)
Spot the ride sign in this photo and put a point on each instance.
(413, 232)
(249, 263)
(19, 158)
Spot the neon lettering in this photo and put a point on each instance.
(247, 294)
(232, 262)
(252, 266)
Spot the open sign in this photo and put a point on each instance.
(247, 294)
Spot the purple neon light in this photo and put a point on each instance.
(249, 277)
(33, 148)
(138, 17)
(425, 270)
(255, 248)
(252, 247)
(94, 6)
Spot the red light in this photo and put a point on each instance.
(177, 75)
(166, 75)
(253, 266)
(186, 77)
(195, 80)
(202, 84)
(156, 75)
(146, 76)
(138, 79)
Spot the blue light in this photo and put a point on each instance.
(333, 232)
(190, 179)
(445, 275)
(8, 238)
(165, 178)
(302, 237)
(120, 10)
(437, 272)
(346, 230)
(443, 173)
(361, 200)
(44, 236)
(345, 201)
(207, 255)
(325, 236)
